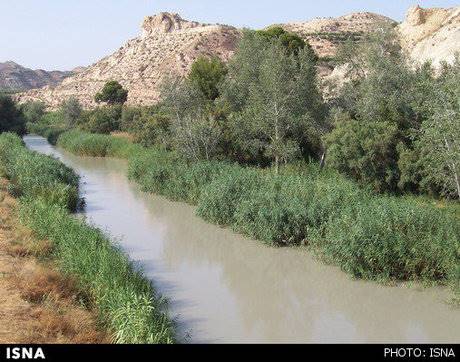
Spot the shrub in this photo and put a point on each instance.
(33, 111)
(112, 93)
(102, 120)
(71, 111)
(365, 151)
(50, 126)
(11, 118)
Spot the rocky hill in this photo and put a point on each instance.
(326, 34)
(431, 34)
(14, 77)
(168, 45)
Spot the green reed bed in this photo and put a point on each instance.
(369, 236)
(125, 300)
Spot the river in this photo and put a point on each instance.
(224, 288)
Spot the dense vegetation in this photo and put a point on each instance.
(338, 174)
(126, 301)
(11, 117)
(377, 237)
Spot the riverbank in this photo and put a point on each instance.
(127, 306)
(38, 303)
(369, 236)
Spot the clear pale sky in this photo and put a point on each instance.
(63, 34)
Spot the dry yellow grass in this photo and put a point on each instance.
(37, 303)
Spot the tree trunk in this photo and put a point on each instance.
(454, 168)
(277, 164)
(323, 160)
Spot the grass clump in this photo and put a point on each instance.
(391, 238)
(35, 175)
(221, 197)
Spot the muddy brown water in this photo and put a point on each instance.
(223, 287)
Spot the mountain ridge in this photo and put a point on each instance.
(15, 77)
(169, 44)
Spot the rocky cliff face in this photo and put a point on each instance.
(168, 45)
(14, 77)
(431, 34)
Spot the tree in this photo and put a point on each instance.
(148, 125)
(292, 42)
(196, 133)
(274, 98)
(364, 151)
(71, 110)
(206, 74)
(384, 94)
(11, 118)
(439, 137)
(112, 93)
(33, 111)
(102, 120)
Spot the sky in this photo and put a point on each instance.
(63, 34)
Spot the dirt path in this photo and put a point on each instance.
(37, 304)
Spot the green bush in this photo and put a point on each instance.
(33, 111)
(11, 117)
(51, 125)
(102, 120)
(96, 145)
(365, 151)
(164, 173)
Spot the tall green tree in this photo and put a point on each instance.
(207, 74)
(112, 93)
(292, 42)
(33, 111)
(439, 137)
(274, 98)
(71, 110)
(11, 118)
(196, 133)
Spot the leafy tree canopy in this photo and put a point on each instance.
(292, 42)
(207, 74)
(112, 93)
(11, 118)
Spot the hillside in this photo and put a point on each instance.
(168, 45)
(326, 34)
(431, 34)
(14, 77)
